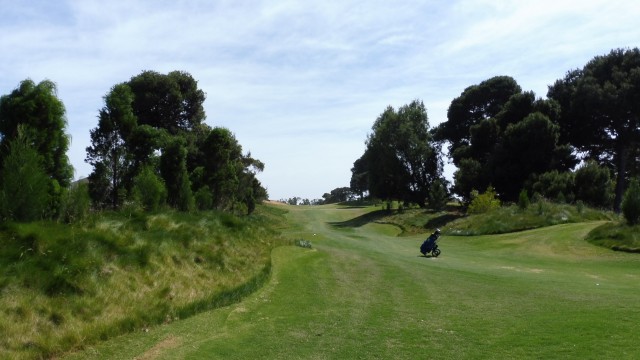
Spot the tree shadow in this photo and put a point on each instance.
(442, 220)
(361, 220)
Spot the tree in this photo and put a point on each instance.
(631, 203)
(359, 183)
(36, 111)
(220, 168)
(109, 152)
(601, 110)
(500, 135)
(476, 103)
(25, 184)
(526, 148)
(402, 158)
(149, 189)
(338, 195)
(172, 102)
(593, 185)
(173, 168)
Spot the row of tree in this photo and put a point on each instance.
(150, 147)
(501, 136)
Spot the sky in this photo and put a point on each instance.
(300, 83)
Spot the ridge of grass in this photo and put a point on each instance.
(511, 218)
(616, 236)
(506, 219)
(64, 287)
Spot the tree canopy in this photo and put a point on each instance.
(601, 111)
(401, 160)
(157, 121)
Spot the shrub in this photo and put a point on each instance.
(523, 200)
(631, 203)
(76, 203)
(554, 185)
(438, 196)
(593, 185)
(204, 198)
(149, 189)
(25, 185)
(483, 203)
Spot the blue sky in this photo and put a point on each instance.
(300, 83)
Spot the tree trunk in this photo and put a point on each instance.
(623, 156)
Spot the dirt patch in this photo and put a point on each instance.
(168, 343)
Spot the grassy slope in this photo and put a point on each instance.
(362, 292)
(65, 287)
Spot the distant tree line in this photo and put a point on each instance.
(580, 144)
(150, 148)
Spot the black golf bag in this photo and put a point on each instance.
(430, 246)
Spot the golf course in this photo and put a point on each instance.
(364, 292)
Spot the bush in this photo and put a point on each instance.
(149, 190)
(523, 200)
(25, 185)
(554, 185)
(593, 185)
(482, 203)
(438, 196)
(76, 203)
(204, 198)
(631, 203)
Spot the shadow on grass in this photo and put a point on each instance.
(361, 220)
(442, 220)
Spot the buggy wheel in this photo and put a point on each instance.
(436, 252)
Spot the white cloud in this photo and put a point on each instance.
(300, 83)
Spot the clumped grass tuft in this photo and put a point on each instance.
(63, 287)
(512, 218)
(616, 236)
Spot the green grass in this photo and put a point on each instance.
(362, 292)
(66, 287)
(616, 236)
(511, 218)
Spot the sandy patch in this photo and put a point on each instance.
(168, 343)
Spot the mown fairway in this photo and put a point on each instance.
(364, 293)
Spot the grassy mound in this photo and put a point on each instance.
(616, 236)
(511, 218)
(506, 219)
(63, 287)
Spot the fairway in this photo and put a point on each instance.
(362, 292)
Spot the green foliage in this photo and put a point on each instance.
(485, 202)
(507, 219)
(523, 200)
(144, 267)
(555, 185)
(491, 128)
(149, 189)
(616, 236)
(173, 168)
(631, 203)
(204, 198)
(600, 113)
(593, 185)
(109, 153)
(77, 203)
(25, 185)
(36, 111)
(438, 195)
(401, 159)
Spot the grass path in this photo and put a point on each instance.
(363, 293)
